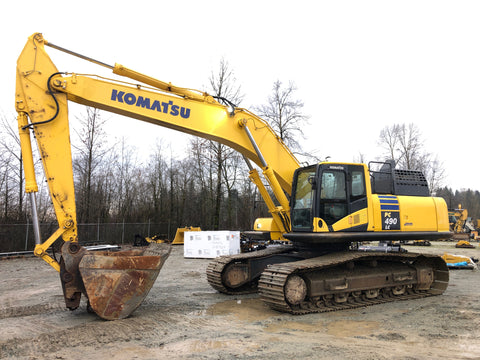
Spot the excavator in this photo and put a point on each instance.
(320, 209)
(462, 227)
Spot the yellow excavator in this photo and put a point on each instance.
(321, 209)
(463, 230)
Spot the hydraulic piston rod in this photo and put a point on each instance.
(269, 174)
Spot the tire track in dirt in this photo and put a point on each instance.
(28, 310)
(50, 333)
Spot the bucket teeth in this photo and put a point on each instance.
(70, 277)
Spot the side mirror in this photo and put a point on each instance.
(312, 180)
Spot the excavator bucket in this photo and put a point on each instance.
(116, 282)
(179, 235)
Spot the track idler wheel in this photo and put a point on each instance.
(236, 275)
(295, 290)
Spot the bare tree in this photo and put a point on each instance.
(204, 168)
(412, 155)
(404, 144)
(5, 184)
(156, 177)
(284, 114)
(127, 173)
(223, 85)
(88, 165)
(435, 172)
(388, 140)
(11, 167)
(234, 166)
(360, 158)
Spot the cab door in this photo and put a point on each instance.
(333, 204)
(342, 192)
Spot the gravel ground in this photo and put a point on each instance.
(184, 318)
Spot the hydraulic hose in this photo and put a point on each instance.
(54, 99)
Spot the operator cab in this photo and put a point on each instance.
(328, 191)
(329, 203)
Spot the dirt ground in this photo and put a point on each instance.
(184, 318)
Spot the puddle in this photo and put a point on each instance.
(349, 328)
(245, 309)
(252, 310)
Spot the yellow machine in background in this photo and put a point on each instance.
(459, 261)
(458, 219)
(178, 240)
(179, 235)
(461, 227)
(322, 209)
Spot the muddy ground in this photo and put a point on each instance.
(184, 318)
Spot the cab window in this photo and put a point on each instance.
(358, 185)
(333, 196)
(333, 185)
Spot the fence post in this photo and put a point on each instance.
(26, 237)
(123, 230)
(98, 230)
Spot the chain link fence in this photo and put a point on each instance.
(20, 237)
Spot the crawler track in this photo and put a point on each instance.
(216, 267)
(274, 279)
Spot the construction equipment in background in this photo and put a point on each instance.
(458, 223)
(179, 235)
(178, 240)
(464, 244)
(459, 261)
(322, 209)
(462, 227)
(474, 233)
(145, 241)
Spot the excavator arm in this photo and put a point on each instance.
(37, 102)
(42, 96)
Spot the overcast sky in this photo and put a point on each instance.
(358, 65)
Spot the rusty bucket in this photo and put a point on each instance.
(116, 282)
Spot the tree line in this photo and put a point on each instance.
(209, 187)
(467, 199)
